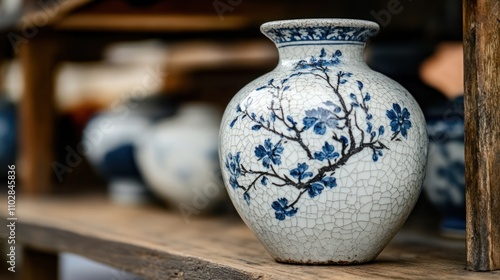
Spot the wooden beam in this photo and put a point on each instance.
(482, 137)
(151, 23)
(37, 114)
(39, 265)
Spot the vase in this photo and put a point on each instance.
(178, 159)
(8, 135)
(323, 158)
(112, 136)
(445, 176)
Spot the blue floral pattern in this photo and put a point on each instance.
(400, 120)
(280, 207)
(269, 153)
(334, 33)
(233, 166)
(346, 119)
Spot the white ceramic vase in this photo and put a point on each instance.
(322, 157)
(111, 138)
(178, 159)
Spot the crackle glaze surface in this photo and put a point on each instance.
(323, 158)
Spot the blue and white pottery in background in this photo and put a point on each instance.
(445, 180)
(323, 158)
(8, 135)
(178, 159)
(111, 138)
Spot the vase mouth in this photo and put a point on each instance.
(319, 29)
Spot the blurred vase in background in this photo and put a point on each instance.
(113, 136)
(445, 179)
(8, 135)
(178, 159)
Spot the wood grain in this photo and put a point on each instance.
(482, 137)
(157, 244)
(37, 110)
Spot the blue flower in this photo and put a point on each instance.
(327, 153)
(280, 207)
(264, 181)
(381, 130)
(322, 60)
(269, 153)
(233, 166)
(316, 188)
(246, 196)
(300, 172)
(400, 120)
(320, 118)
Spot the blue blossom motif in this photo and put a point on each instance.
(269, 153)
(264, 181)
(246, 196)
(327, 153)
(322, 61)
(233, 166)
(320, 118)
(400, 120)
(280, 207)
(300, 172)
(316, 188)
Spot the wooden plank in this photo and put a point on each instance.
(39, 265)
(37, 114)
(482, 137)
(157, 244)
(151, 23)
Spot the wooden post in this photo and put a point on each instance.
(39, 265)
(37, 114)
(482, 137)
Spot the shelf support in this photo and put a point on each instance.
(38, 57)
(482, 132)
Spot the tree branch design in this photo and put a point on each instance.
(338, 118)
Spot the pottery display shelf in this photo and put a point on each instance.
(156, 244)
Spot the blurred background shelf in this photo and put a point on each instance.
(156, 244)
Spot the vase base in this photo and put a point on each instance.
(311, 262)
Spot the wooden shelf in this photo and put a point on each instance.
(157, 244)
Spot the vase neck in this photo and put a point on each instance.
(326, 39)
(330, 54)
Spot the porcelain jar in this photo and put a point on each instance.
(445, 177)
(323, 158)
(112, 137)
(8, 135)
(178, 159)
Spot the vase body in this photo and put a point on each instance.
(323, 158)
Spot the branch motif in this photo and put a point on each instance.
(338, 117)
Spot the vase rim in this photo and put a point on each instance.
(319, 29)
